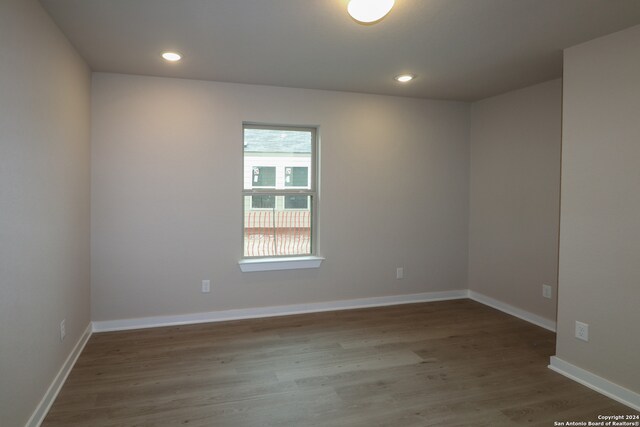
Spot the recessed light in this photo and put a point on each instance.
(368, 11)
(404, 78)
(172, 56)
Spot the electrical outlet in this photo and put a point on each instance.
(206, 286)
(400, 273)
(546, 291)
(63, 329)
(582, 331)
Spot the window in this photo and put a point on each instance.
(296, 202)
(279, 191)
(263, 202)
(296, 176)
(263, 176)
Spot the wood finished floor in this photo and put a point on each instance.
(452, 363)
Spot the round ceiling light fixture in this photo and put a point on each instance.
(368, 11)
(404, 78)
(172, 56)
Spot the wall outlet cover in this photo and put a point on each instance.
(582, 331)
(206, 286)
(63, 329)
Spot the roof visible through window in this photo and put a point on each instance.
(277, 141)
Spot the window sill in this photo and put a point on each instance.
(272, 264)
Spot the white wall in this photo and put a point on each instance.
(166, 195)
(599, 271)
(44, 204)
(514, 207)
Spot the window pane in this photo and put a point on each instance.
(296, 176)
(263, 176)
(277, 232)
(270, 153)
(296, 202)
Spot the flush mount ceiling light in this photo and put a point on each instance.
(404, 78)
(368, 11)
(172, 56)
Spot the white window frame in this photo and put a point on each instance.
(286, 262)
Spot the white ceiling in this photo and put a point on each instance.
(459, 49)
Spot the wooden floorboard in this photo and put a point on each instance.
(451, 363)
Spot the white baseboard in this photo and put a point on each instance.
(514, 311)
(284, 310)
(54, 388)
(594, 382)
